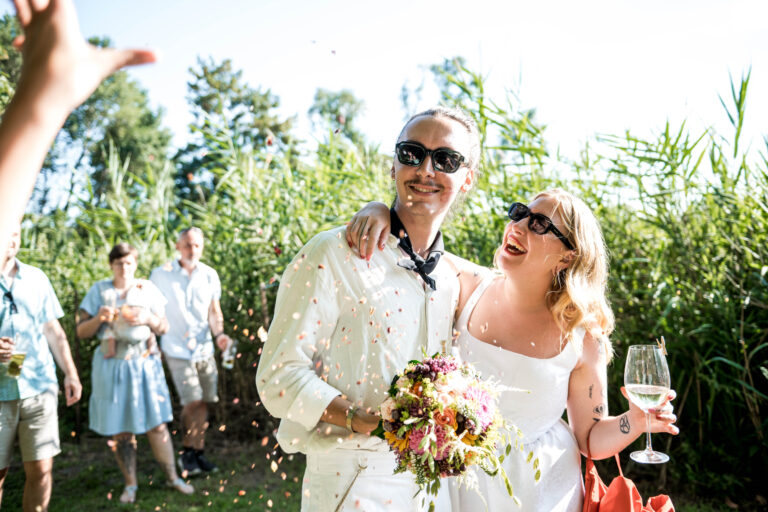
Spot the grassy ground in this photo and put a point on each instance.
(86, 478)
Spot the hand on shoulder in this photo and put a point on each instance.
(368, 229)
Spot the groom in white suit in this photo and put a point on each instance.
(344, 327)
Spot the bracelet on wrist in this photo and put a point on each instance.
(350, 416)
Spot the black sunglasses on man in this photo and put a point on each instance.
(537, 222)
(443, 159)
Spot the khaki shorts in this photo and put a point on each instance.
(195, 380)
(36, 421)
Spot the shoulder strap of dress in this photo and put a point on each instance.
(461, 324)
(576, 343)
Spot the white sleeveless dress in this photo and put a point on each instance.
(538, 414)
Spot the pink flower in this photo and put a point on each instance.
(482, 405)
(445, 399)
(443, 447)
(451, 384)
(415, 439)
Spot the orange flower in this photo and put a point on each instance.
(417, 389)
(447, 417)
(469, 439)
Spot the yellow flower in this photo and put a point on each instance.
(469, 439)
(395, 442)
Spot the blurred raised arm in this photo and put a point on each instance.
(59, 71)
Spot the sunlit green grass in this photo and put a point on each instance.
(86, 478)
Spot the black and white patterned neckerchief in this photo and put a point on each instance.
(421, 266)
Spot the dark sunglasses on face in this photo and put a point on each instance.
(443, 159)
(537, 222)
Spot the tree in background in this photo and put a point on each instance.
(10, 59)
(227, 113)
(6, 87)
(117, 113)
(337, 112)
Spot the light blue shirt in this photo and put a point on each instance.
(189, 300)
(36, 305)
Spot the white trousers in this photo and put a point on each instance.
(363, 481)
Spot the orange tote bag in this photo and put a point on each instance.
(620, 496)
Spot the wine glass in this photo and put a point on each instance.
(646, 379)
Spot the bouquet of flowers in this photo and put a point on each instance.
(440, 418)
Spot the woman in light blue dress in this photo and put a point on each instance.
(129, 394)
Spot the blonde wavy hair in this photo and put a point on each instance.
(576, 296)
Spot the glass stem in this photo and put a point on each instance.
(648, 448)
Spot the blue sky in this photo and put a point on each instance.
(587, 67)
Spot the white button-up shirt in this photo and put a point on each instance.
(189, 299)
(344, 326)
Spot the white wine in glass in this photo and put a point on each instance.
(646, 379)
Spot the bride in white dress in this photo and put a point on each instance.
(540, 323)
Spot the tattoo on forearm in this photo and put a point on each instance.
(599, 409)
(590, 390)
(624, 424)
